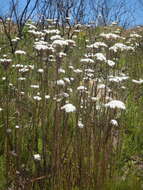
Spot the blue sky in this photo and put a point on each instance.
(138, 11)
(133, 4)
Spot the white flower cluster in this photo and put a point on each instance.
(121, 47)
(15, 39)
(71, 42)
(97, 45)
(134, 35)
(140, 81)
(37, 157)
(38, 98)
(80, 124)
(110, 36)
(20, 52)
(111, 63)
(54, 31)
(87, 60)
(100, 57)
(68, 108)
(59, 43)
(56, 37)
(81, 88)
(60, 82)
(5, 60)
(113, 104)
(36, 33)
(34, 86)
(117, 78)
(114, 122)
(42, 46)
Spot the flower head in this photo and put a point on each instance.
(68, 108)
(37, 157)
(113, 104)
(20, 52)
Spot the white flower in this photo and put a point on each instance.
(3, 78)
(87, 60)
(10, 84)
(71, 43)
(71, 78)
(38, 98)
(70, 90)
(74, 36)
(89, 70)
(65, 95)
(36, 33)
(115, 104)
(111, 63)
(40, 71)
(67, 80)
(22, 93)
(101, 86)
(114, 122)
(89, 55)
(34, 86)
(62, 54)
(5, 55)
(100, 57)
(1, 109)
(123, 87)
(97, 45)
(81, 88)
(70, 67)
(15, 39)
(21, 78)
(5, 60)
(76, 31)
(25, 69)
(140, 81)
(20, 52)
(117, 78)
(60, 82)
(47, 97)
(110, 36)
(41, 42)
(80, 124)
(77, 71)
(94, 99)
(120, 47)
(134, 35)
(18, 66)
(59, 43)
(52, 31)
(41, 47)
(37, 157)
(56, 37)
(68, 108)
(60, 70)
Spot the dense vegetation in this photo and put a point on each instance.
(71, 108)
